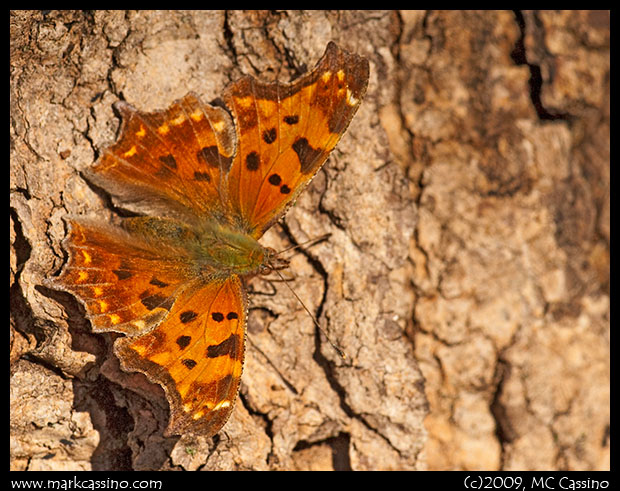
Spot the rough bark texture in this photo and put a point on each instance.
(467, 274)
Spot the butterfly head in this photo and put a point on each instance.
(273, 262)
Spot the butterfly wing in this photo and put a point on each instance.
(196, 355)
(170, 163)
(285, 133)
(125, 283)
(184, 331)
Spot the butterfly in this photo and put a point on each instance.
(207, 181)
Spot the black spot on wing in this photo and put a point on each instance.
(230, 346)
(306, 154)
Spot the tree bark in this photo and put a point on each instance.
(466, 275)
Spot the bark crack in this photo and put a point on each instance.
(536, 82)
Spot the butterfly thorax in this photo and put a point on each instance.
(231, 251)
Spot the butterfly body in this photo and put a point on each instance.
(210, 181)
(211, 249)
(233, 252)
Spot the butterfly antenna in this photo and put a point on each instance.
(339, 350)
(308, 243)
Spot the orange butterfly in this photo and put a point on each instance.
(210, 181)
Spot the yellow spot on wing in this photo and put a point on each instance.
(114, 319)
(137, 347)
(351, 101)
(163, 129)
(197, 115)
(131, 152)
(82, 275)
(218, 126)
(180, 119)
(141, 132)
(221, 405)
(103, 305)
(97, 291)
(87, 258)
(326, 76)
(244, 102)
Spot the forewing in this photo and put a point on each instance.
(172, 162)
(285, 133)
